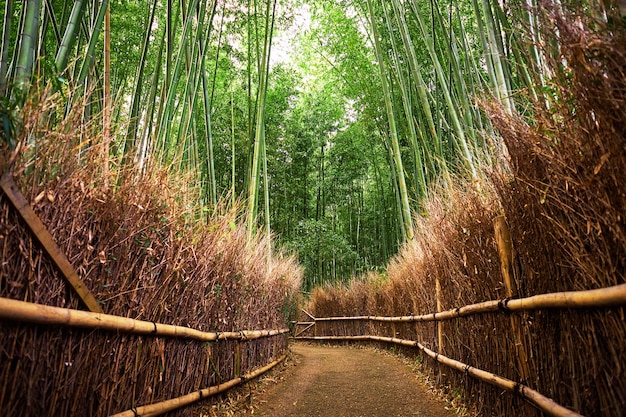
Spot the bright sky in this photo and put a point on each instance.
(284, 41)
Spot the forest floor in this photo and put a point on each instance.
(341, 381)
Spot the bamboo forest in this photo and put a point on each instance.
(214, 180)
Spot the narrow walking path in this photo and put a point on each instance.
(346, 381)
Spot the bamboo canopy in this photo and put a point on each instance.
(541, 401)
(603, 297)
(174, 403)
(42, 314)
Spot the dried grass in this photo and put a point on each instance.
(144, 253)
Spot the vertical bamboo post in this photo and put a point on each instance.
(505, 250)
(439, 326)
(238, 359)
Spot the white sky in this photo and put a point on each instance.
(284, 41)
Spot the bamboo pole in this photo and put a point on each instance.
(174, 403)
(47, 241)
(107, 105)
(41, 314)
(601, 297)
(505, 249)
(238, 359)
(439, 325)
(539, 400)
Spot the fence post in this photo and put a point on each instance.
(439, 326)
(238, 359)
(505, 250)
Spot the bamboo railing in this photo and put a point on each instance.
(21, 311)
(174, 403)
(541, 401)
(603, 297)
(42, 314)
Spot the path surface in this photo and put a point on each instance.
(347, 382)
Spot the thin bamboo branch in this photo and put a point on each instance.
(38, 313)
(169, 405)
(541, 401)
(602, 297)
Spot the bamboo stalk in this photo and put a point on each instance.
(601, 297)
(37, 313)
(507, 257)
(174, 403)
(541, 401)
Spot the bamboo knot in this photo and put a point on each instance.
(457, 311)
(155, 327)
(134, 410)
(466, 368)
(200, 394)
(502, 305)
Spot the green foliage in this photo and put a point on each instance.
(321, 249)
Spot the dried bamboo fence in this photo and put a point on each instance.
(26, 312)
(361, 325)
(173, 294)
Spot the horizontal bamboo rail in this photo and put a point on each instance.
(174, 403)
(539, 400)
(603, 297)
(42, 314)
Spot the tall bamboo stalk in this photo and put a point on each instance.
(407, 220)
(26, 49)
(420, 178)
(451, 106)
(93, 40)
(4, 48)
(131, 132)
(259, 139)
(70, 34)
(106, 113)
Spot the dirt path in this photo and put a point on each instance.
(346, 382)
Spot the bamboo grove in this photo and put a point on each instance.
(334, 148)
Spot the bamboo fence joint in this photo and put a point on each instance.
(47, 241)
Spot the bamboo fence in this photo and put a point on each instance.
(20, 311)
(603, 297)
(174, 403)
(42, 314)
(539, 400)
